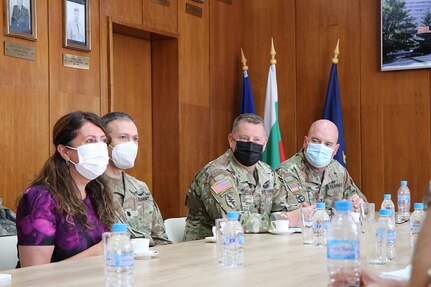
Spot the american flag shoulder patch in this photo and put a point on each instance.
(293, 186)
(221, 186)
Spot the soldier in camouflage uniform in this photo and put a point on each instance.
(239, 181)
(314, 176)
(140, 211)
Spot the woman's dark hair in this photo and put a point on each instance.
(56, 177)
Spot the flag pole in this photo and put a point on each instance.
(243, 61)
(272, 53)
(336, 53)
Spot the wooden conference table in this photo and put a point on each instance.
(277, 260)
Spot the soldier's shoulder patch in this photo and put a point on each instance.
(221, 186)
(293, 186)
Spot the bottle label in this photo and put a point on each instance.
(415, 226)
(317, 225)
(404, 199)
(342, 249)
(391, 235)
(119, 260)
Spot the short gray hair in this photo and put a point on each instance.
(248, 118)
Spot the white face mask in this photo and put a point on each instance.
(124, 154)
(93, 159)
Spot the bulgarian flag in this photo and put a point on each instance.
(274, 152)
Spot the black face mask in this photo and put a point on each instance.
(248, 153)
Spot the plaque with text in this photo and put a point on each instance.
(193, 10)
(77, 62)
(163, 2)
(19, 51)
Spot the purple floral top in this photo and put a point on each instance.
(39, 223)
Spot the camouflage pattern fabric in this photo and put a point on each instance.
(7, 221)
(141, 213)
(223, 185)
(308, 186)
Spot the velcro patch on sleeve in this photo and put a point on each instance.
(293, 186)
(221, 186)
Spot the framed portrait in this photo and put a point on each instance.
(19, 19)
(405, 34)
(76, 24)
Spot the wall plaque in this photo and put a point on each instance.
(163, 2)
(77, 62)
(19, 51)
(193, 10)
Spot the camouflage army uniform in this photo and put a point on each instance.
(141, 213)
(223, 185)
(308, 186)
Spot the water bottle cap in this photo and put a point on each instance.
(403, 183)
(387, 196)
(385, 212)
(343, 205)
(232, 214)
(418, 205)
(320, 205)
(119, 227)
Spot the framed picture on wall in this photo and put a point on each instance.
(405, 34)
(76, 24)
(19, 19)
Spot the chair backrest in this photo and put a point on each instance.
(175, 228)
(8, 252)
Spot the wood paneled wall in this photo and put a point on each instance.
(196, 86)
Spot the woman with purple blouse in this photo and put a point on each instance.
(69, 205)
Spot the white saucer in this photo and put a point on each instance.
(210, 239)
(273, 231)
(148, 254)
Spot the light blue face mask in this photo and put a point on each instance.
(318, 155)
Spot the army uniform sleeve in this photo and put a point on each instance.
(158, 232)
(284, 196)
(198, 222)
(291, 183)
(351, 189)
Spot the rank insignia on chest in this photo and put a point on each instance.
(293, 186)
(221, 186)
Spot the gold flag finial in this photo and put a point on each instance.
(272, 53)
(243, 61)
(336, 52)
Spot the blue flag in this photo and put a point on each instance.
(247, 100)
(333, 113)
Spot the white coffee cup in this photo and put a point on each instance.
(280, 225)
(140, 245)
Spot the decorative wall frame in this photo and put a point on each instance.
(405, 34)
(76, 24)
(20, 19)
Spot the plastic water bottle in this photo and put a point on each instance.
(320, 225)
(403, 202)
(391, 238)
(416, 222)
(343, 247)
(233, 241)
(388, 204)
(381, 239)
(119, 257)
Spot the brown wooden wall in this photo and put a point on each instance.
(180, 76)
